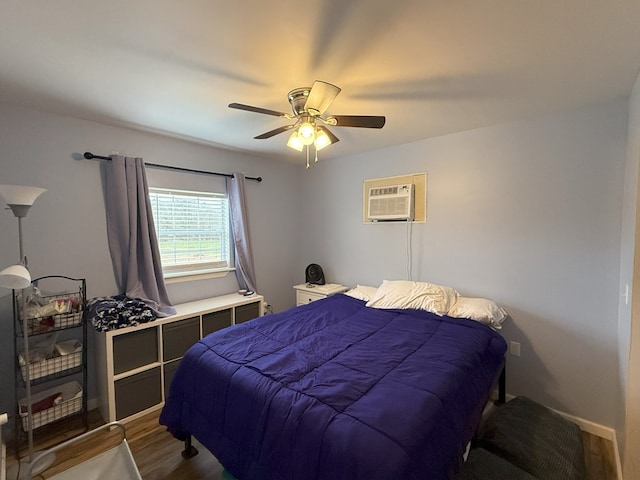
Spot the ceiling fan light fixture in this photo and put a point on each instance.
(309, 105)
(307, 133)
(322, 140)
(295, 142)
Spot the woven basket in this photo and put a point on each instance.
(50, 366)
(70, 395)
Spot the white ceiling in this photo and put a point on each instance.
(431, 67)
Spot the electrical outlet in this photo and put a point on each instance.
(514, 348)
(626, 294)
(266, 308)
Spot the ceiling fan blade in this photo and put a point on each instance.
(249, 108)
(320, 97)
(331, 136)
(363, 121)
(275, 131)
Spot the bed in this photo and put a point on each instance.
(336, 389)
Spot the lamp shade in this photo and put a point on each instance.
(322, 140)
(307, 133)
(20, 195)
(20, 198)
(295, 142)
(16, 277)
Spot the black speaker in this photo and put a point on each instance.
(314, 274)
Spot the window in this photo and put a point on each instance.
(193, 231)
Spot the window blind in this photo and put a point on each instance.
(192, 229)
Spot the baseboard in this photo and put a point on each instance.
(617, 453)
(588, 426)
(592, 428)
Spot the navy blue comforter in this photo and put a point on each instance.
(336, 390)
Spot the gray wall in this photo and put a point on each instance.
(65, 231)
(528, 214)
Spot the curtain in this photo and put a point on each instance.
(132, 236)
(240, 232)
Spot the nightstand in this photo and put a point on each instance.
(307, 293)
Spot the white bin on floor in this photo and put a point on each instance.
(116, 463)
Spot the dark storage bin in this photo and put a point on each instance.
(138, 392)
(484, 465)
(135, 349)
(212, 322)
(177, 337)
(169, 371)
(523, 439)
(247, 312)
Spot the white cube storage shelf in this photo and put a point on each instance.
(135, 365)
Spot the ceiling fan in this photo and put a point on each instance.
(309, 128)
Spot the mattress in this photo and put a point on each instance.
(337, 390)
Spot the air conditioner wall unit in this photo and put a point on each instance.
(392, 202)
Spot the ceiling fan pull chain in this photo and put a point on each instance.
(307, 156)
(316, 160)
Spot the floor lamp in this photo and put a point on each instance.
(17, 277)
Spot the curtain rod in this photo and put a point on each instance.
(89, 156)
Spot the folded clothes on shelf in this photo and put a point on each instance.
(110, 313)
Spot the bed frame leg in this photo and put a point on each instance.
(502, 385)
(189, 450)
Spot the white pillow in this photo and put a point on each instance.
(418, 295)
(479, 309)
(362, 292)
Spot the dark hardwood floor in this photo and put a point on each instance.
(157, 453)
